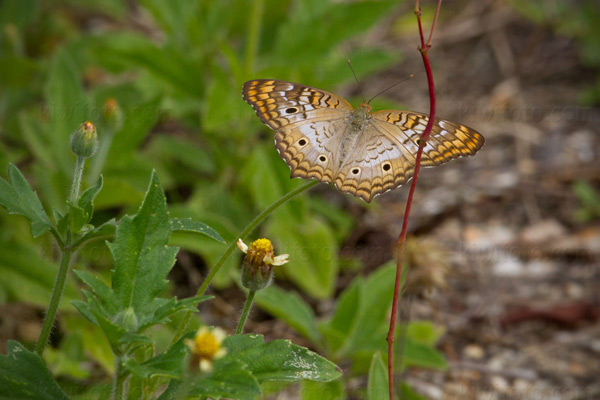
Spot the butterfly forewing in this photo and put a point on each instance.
(314, 128)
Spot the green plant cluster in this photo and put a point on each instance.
(174, 70)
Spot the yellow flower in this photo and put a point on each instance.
(206, 347)
(257, 267)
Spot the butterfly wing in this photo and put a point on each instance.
(309, 123)
(446, 142)
(385, 154)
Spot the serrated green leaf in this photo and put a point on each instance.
(23, 375)
(142, 257)
(18, 198)
(189, 225)
(229, 379)
(280, 360)
(289, 307)
(377, 388)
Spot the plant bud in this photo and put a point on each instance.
(84, 141)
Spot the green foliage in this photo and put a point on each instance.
(25, 376)
(377, 389)
(180, 113)
(142, 261)
(18, 198)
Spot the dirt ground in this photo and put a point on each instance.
(510, 273)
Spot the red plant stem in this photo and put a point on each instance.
(424, 50)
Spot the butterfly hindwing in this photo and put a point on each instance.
(446, 142)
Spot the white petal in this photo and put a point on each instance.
(219, 334)
(242, 245)
(268, 260)
(205, 365)
(281, 259)
(220, 353)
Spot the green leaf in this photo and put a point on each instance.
(18, 198)
(333, 390)
(189, 225)
(23, 375)
(424, 332)
(289, 307)
(229, 379)
(106, 230)
(142, 257)
(421, 355)
(311, 244)
(86, 200)
(142, 261)
(168, 364)
(280, 360)
(364, 308)
(409, 393)
(377, 387)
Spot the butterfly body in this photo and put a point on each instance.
(321, 136)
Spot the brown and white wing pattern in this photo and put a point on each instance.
(376, 165)
(309, 123)
(446, 142)
(385, 155)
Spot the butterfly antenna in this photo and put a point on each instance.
(391, 87)
(357, 82)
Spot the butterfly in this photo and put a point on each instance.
(321, 136)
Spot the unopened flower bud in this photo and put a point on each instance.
(128, 320)
(257, 267)
(84, 141)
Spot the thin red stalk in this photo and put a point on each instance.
(424, 50)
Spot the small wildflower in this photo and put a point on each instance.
(84, 141)
(257, 267)
(206, 347)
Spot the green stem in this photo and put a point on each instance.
(53, 307)
(253, 33)
(245, 312)
(77, 179)
(119, 383)
(249, 228)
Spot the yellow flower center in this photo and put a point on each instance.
(207, 345)
(261, 246)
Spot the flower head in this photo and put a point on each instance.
(257, 267)
(206, 347)
(84, 141)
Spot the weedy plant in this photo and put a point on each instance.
(126, 309)
(212, 169)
